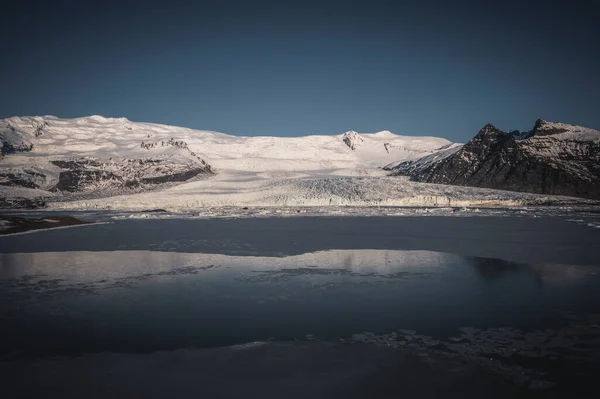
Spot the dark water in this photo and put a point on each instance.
(143, 286)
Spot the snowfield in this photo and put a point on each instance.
(117, 164)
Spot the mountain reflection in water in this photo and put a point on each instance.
(151, 300)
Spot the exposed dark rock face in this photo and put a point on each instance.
(542, 161)
(93, 175)
(38, 129)
(12, 141)
(352, 139)
(25, 178)
(174, 177)
(79, 179)
(21, 203)
(6, 147)
(542, 128)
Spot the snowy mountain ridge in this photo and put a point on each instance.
(101, 137)
(553, 158)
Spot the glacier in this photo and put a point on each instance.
(99, 163)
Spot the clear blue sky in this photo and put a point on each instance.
(281, 68)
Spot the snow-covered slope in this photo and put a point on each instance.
(107, 156)
(93, 154)
(288, 156)
(437, 156)
(97, 136)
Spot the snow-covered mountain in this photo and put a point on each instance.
(105, 156)
(552, 158)
(113, 163)
(92, 154)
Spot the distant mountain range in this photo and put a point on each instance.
(66, 159)
(552, 158)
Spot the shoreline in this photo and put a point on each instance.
(12, 225)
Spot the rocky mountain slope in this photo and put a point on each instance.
(552, 158)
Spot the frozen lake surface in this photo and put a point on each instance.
(473, 286)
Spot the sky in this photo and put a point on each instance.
(283, 68)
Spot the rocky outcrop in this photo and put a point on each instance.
(21, 178)
(21, 203)
(552, 158)
(352, 139)
(11, 141)
(85, 175)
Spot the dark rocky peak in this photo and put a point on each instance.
(490, 133)
(489, 129)
(545, 128)
(490, 139)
